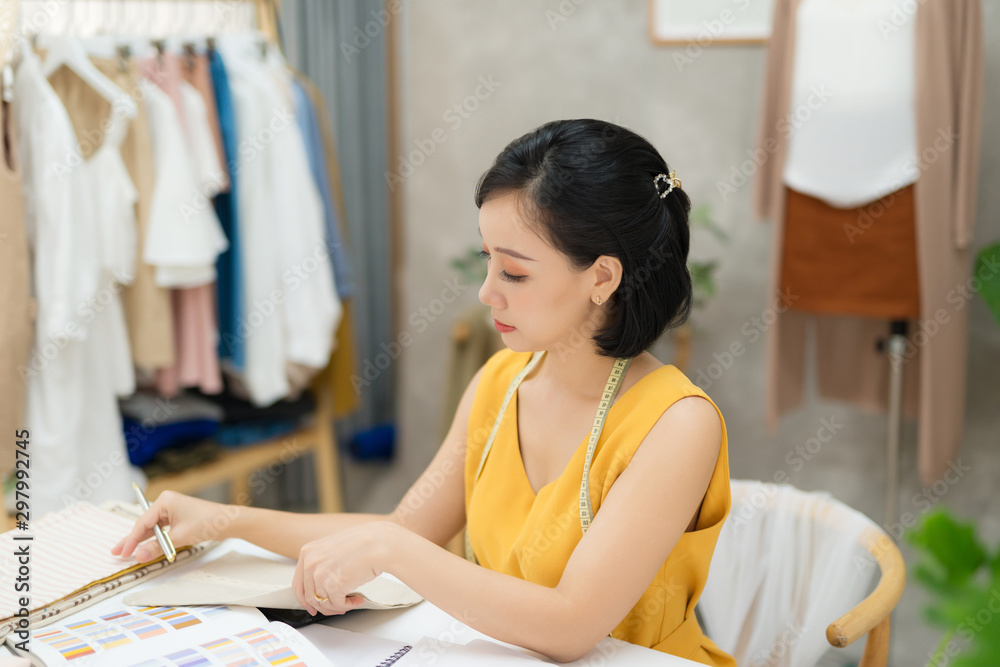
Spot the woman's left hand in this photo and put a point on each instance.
(330, 568)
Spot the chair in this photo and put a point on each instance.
(790, 563)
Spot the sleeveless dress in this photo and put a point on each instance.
(514, 531)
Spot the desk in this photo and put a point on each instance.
(409, 625)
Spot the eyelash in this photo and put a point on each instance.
(503, 274)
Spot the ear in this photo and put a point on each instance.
(607, 272)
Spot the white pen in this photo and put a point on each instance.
(161, 537)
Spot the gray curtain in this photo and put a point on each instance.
(327, 41)
(341, 46)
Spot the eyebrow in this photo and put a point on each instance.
(508, 251)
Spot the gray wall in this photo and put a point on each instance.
(599, 63)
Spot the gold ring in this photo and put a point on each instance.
(319, 599)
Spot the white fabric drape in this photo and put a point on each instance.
(788, 563)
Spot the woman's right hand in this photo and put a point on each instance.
(189, 520)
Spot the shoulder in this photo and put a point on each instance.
(683, 421)
(689, 435)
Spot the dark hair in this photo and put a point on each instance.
(586, 186)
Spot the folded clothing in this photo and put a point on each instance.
(237, 410)
(144, 441)
(153, 409)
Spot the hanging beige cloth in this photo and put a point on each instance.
(949, 76)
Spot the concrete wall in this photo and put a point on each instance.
(544, 60)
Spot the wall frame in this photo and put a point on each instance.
(708, 22)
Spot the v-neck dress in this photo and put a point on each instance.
(532, 536)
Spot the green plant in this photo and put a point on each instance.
(703, 273)
(986, 271)
(964, 579)
(472, 268)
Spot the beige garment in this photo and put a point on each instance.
(252, 581)
(949, 47)
(148, 314)
(15, 295)
(148, 311)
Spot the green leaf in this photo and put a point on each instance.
(952, 544)
(988, 272)
(701, 216)
(932, 575)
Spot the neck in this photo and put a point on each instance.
(578, 372)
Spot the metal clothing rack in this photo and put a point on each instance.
(234, 466)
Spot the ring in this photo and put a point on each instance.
(319, 599)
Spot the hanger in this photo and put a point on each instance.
(69, 52)
(8, 82)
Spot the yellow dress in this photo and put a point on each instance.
(514, 531)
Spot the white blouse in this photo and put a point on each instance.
(79, 216)
(290, 304)
(184, 236)
(852, 121)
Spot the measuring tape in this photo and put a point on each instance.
(607, 398)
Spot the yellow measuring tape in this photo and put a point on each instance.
(607, 397)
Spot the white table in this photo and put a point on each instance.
(409, 625)
(422, 620)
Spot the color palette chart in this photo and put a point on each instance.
(256, 646)
(120, 628)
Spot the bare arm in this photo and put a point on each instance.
(434, 508)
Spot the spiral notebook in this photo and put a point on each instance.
(395, 657)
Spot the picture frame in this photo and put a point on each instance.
(710, 22)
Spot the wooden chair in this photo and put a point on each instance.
(872, 615)
(737, 552)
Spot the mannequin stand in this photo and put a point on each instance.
(896, 347)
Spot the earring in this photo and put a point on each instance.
(598, 299)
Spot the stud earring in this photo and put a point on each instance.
(598, 299)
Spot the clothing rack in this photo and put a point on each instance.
(235, 466)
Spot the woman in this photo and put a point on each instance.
(576, 528)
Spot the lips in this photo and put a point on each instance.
(501, 326)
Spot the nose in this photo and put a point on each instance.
(488, 294)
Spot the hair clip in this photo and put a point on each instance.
(670, 178)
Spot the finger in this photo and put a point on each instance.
(143, 529)
(147, 551)
(297, 584)
(307, 590)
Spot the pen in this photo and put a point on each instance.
(161, 537)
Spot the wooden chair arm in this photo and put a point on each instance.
(875, 608)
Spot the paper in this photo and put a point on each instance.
(243, 579)
(343, 647)
(111, 634)
(80, 534)
(440, 653)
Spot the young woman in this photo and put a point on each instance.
(592, 479)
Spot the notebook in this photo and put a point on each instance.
(69, 563)
(112, 634)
